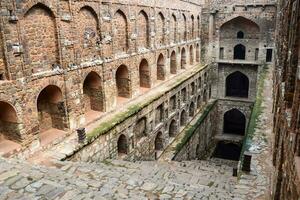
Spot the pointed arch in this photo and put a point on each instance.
(239, 52)
(87, 29)
(144, 74)
(122, 145)
(183, 58)
(123, 82)
(173, 128)
(191, 55)
(51, 108)
(197, 53)
(192, 27)
(38, 29)
(192, 109)
(234, 122)
(184, 35)
(173, 29)
(161, 68)
(92, 92)
(247, 26)
(183, 118)
(173, 63)
(158, 143)
(121, 30)
(237, 85)
(143, 30)
(9, 128)
(160, 29)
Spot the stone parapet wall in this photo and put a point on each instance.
(145, 147)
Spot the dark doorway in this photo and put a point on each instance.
(229, 151)
(234, 122)
(239, 52)
(159, 145)
(122, 145)
(269, 55)
(240, 35)
(237, 85)
(172, 128)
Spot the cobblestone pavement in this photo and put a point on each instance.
(116, 180)
(209, 180)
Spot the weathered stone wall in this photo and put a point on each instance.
(160, 118)
(60, 43)
(202, 143)
(226, 69)
(286, 153)
(249, 16)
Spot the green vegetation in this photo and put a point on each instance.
(190, 129)
(104, 127)
(256, 112)
(211, 183)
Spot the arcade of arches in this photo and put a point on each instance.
(147, 80)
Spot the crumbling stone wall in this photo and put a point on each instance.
(59, 43)
(287, 102)
(259, 14)
(158, 121)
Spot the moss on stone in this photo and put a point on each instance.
(256, 112)
(190, 129)
(105, 127)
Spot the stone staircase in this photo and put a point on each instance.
(115, 179)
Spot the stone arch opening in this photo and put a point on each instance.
(160, 28)
(39, 34)
(144, 73)
(143, 30)
(240, 35)
(9, 128)
(140, 128)
(159, 143)
(234, 122)
(183, 118)
(122, 145)
(193, 88)
(237, 85)
(161, 75)
(92, 92)
(198, 26)
(198, 101)
(192, 109)
(173, 27)
(88, 29)
(123, 82)
(197, 53)
(183, 58)
(239, 52)
(173, 63)
(51, 109)
(172, 128)
(159, 114)
(227, 150)
(191, 55)
(192, 27)
(229, 29)
(183, 95)
(205, 96)
(184, 35)
(120, 32)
